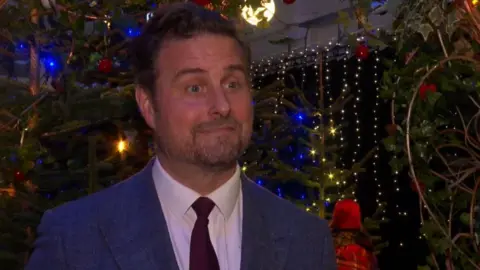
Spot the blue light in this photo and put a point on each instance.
(299, 116)
(133, 32)
(50, 64)
(279, 192)
(260, 182)
(302, 197)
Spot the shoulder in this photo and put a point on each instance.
(281, 210)
(86, 211)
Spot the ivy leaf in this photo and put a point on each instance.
(432, 98)
(425, 29)
(436, 15)
(451, 24)
(390, 143)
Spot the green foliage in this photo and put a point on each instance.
(434, 48)
(54, 126)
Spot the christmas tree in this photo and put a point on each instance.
(69, 125)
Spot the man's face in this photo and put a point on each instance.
(201, 111)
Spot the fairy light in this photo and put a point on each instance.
(121, 146)
(356, 105)
(379, 198)
(345, 87)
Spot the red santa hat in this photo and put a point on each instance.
(347, 215)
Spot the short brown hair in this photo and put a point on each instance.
(175, 21)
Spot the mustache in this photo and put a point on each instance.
(218, 123)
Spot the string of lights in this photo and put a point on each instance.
(300, 59)
(379, 199)
(356, 104)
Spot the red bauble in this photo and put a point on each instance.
(288, 2)
(202, 2)
(105, 65)
(362, 52)
(414, 187)
(19, 176)
(425, 89)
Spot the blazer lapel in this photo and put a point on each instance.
(135, 228)
(265, 238)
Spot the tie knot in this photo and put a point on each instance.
(202, 207)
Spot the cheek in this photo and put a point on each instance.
(180, 119)
(242, 108)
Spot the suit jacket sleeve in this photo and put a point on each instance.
(329, 260)
(48, 252)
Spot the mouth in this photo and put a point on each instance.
(219, 129)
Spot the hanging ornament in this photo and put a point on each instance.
(288, 2)
(202, 2)
(425, 89)
(414, 187)
(48, 4)
(105, 65)
(362, 51)
(19, 176)
(391, 129)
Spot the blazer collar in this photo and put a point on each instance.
(135, 228)
(265, 232)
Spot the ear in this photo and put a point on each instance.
(144, 102)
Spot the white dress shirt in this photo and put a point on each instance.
(225, 220)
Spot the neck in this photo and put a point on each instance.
(200, 179)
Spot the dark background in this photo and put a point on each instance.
(406, 250)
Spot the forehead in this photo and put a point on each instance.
(208, 52)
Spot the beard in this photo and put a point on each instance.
(205, 147)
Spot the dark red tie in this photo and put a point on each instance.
(202, 254)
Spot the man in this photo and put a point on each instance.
(190, 208)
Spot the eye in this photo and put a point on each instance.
(232, 85)
(194, 88)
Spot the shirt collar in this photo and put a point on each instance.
(179, 198)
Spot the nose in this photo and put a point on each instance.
(219, 103)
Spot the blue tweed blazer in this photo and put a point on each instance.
(123, 228)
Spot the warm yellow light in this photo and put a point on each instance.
(474, 2)
(330, 175)
(121, 146)
(333, 130)
(244, 168)
(265, 12)
(313, 151)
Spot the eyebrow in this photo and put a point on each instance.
(192, 71)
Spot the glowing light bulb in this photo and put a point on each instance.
(333, 130)
(255, 16)
(121, 146)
